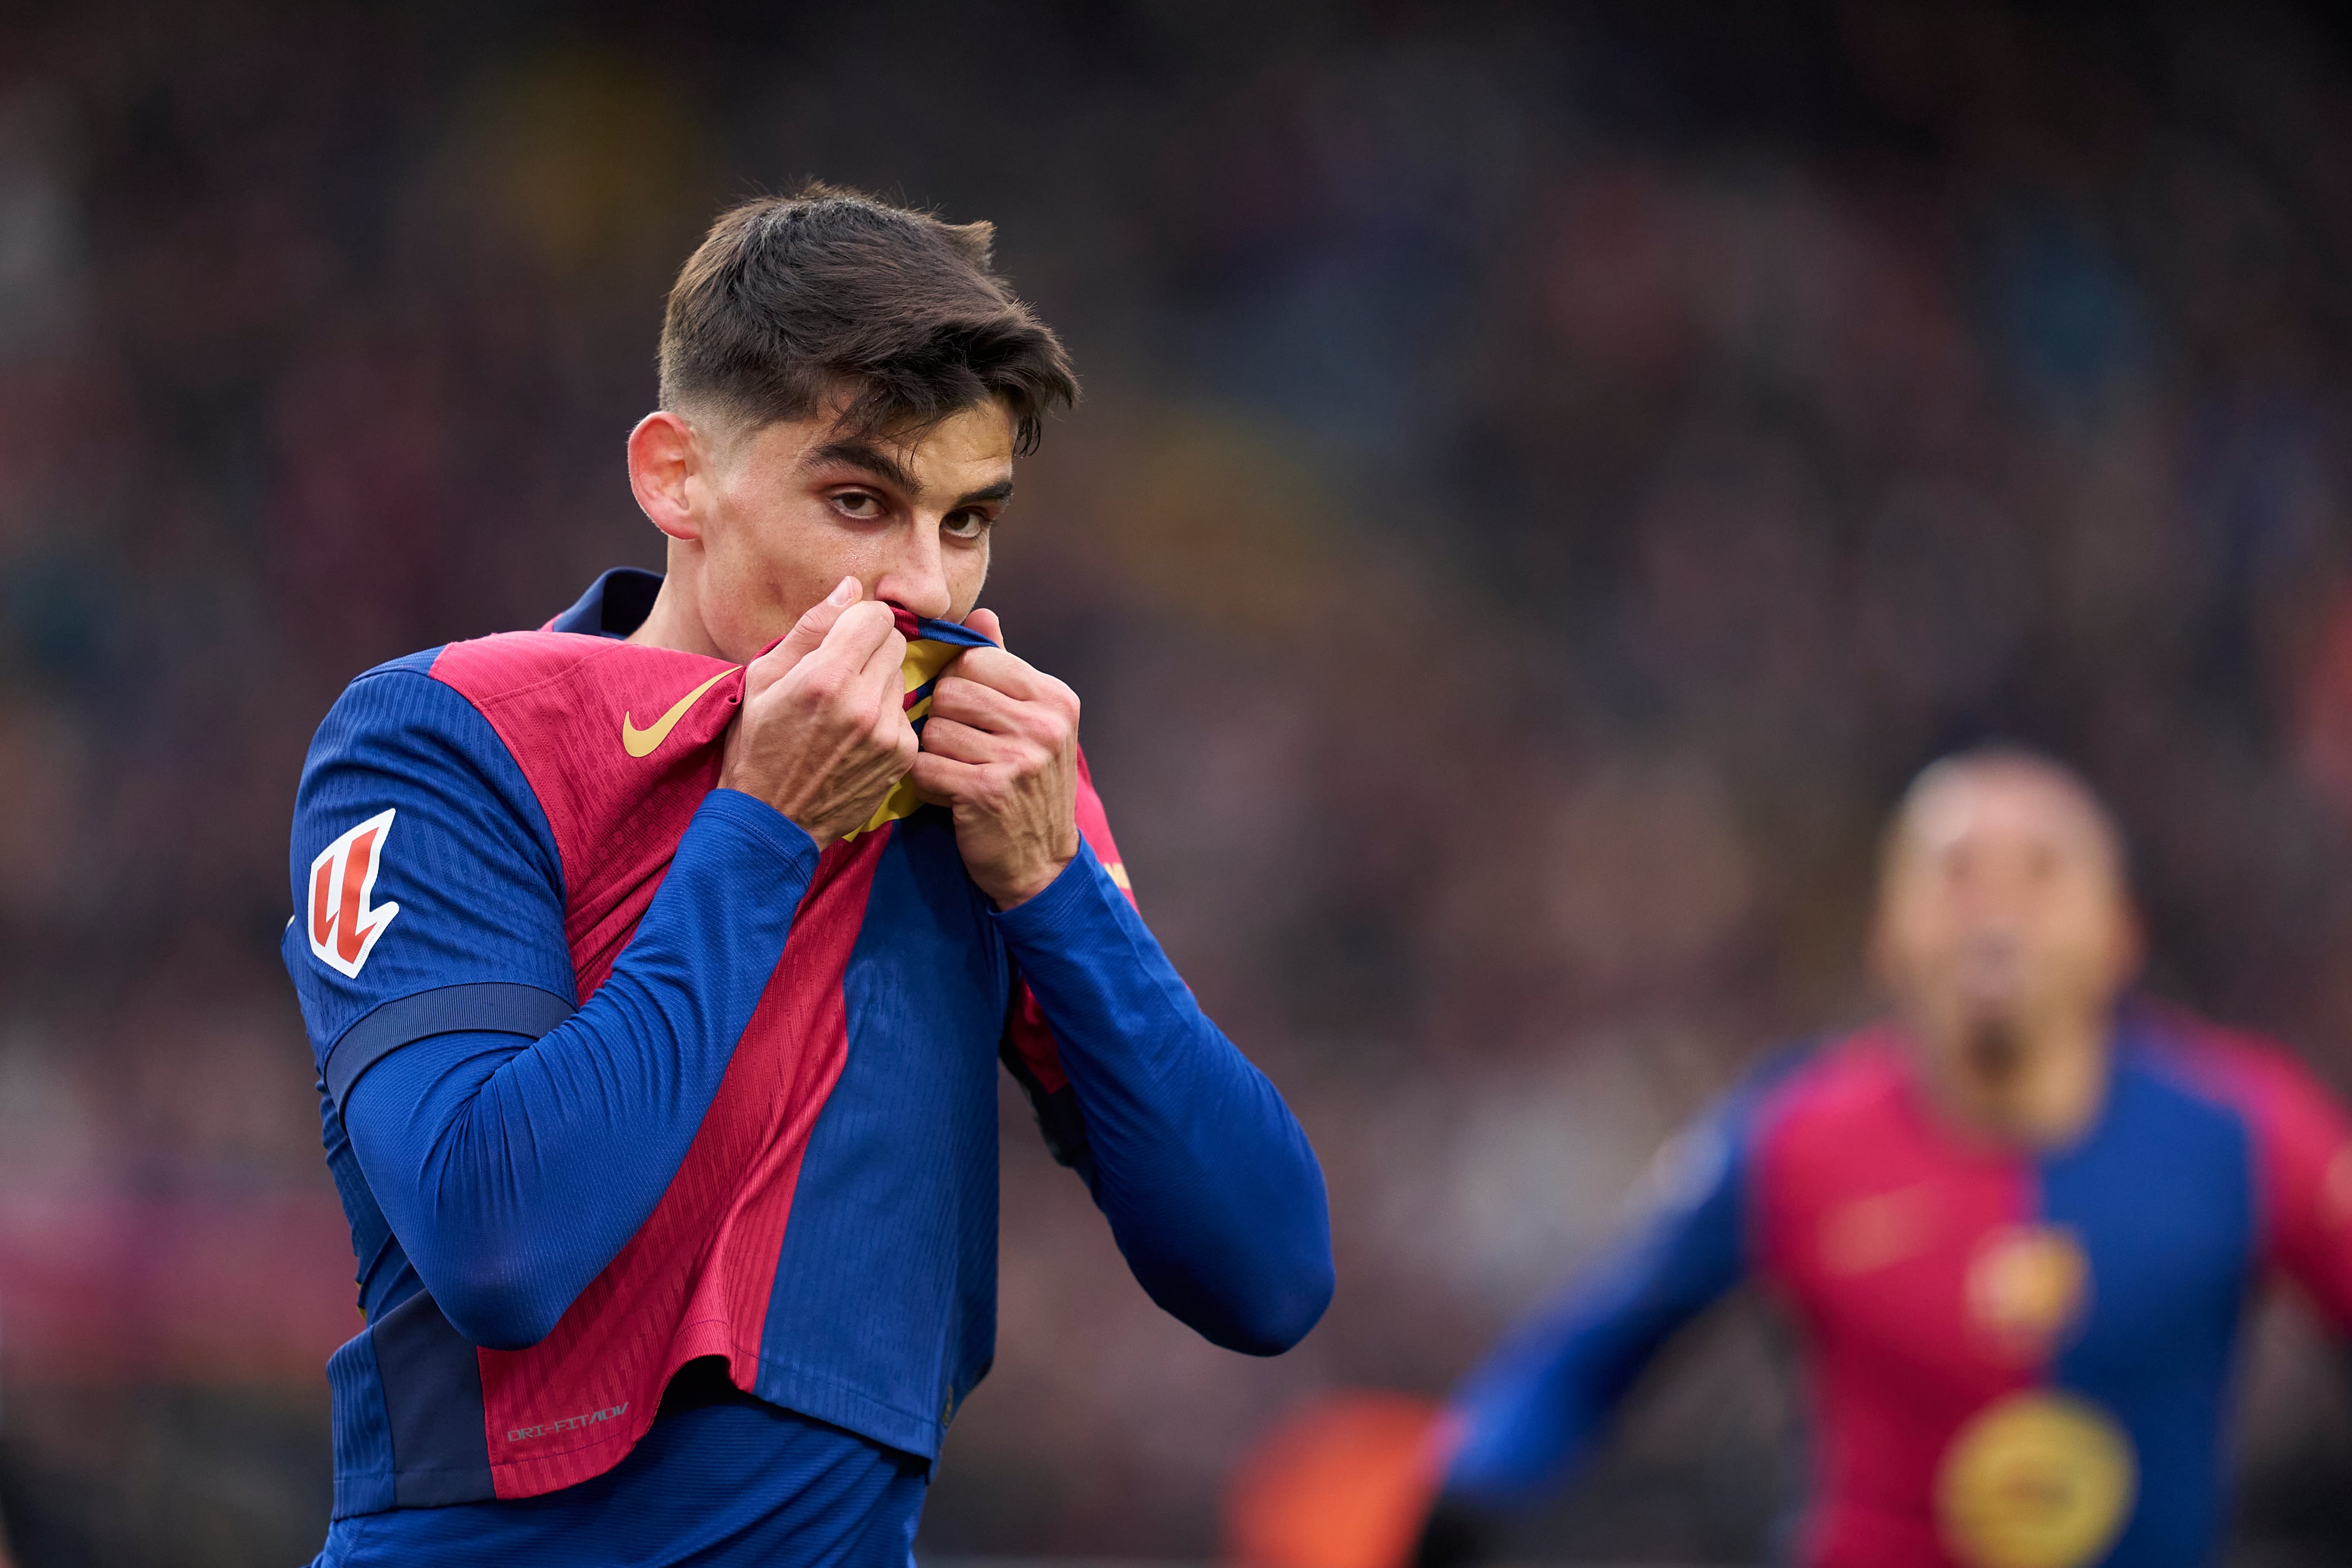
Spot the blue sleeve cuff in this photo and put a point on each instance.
(760, 826)
(1072, 902)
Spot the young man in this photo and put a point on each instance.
(2017, 1226)
(657, 965)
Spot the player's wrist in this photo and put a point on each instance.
(1011, 892)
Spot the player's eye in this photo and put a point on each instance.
(968, 523)
(861, 505)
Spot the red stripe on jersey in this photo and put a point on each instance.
(575, 712)
(1870, 1218)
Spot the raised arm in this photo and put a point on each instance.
(1210, 1190)
(1532, 1412)
(2303, 1151)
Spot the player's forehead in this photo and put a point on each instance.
(1965, 803)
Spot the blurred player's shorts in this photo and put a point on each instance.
(1345, 1481)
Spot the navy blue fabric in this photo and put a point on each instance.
(1536, 1407)
(489, 1006)
(1212, 1191)
(2162, 1196)
(889, 1258)
(721, 1484)
(365, 1478)
(615, 604)
(432, 1383)
(954, 633)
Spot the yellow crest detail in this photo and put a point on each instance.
(2036, 1480)
(924, 664)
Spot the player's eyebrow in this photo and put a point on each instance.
(872, 460)
(869, 458)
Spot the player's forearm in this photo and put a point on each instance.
(1532, 1412)
(1209, 1184)
(513, 1172)
(1529, 1415)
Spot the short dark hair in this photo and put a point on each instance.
(2001, 755)
(791, 303)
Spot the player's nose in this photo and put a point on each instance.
(916, 575)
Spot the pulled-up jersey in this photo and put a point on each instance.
(2015, 1361)
(618, 1073)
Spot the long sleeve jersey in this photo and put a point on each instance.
(619, 1076)
(2013, 1358)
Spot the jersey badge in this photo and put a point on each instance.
(344, 928)
(2027, 1287)
(2036, 1480)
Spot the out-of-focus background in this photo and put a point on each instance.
(1549, 472)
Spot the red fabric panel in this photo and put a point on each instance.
(695, 1279)
(1871, 1215)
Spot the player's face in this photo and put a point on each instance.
(796, 506)
(2003, 909)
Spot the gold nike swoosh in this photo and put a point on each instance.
(641, 742)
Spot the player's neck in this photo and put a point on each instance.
(676, 619)
(2040, 1087)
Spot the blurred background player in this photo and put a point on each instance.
(2017, 1224)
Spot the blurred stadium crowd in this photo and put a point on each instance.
(1548, 475)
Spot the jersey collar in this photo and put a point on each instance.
(618, 602)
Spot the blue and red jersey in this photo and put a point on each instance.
(620, 1076)
(2012, 1359)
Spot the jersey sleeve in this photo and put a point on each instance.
(1029, 1051)
(1533, 1410)
(512, 1142)
(2304, 1171)
(428, 894)
(1209, 1186)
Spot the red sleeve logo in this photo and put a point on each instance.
(343, 925)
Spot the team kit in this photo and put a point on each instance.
(658, 963)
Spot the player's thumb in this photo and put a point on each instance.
(806, 636)
(985, 622)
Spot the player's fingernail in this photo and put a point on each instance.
(846, 593)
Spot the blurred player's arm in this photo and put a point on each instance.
(2304, 1153)
(1210, 1190)
(1527, 1418)
(478, 1137)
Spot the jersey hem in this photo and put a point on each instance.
(809, 1392)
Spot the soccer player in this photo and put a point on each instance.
(2017, 1225)
(657, 965)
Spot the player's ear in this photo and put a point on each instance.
(665, 462)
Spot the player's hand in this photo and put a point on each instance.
(1001, 751)
(823, 735)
